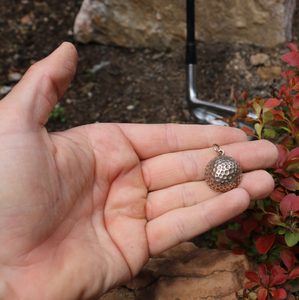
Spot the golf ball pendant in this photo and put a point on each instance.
(223, 173)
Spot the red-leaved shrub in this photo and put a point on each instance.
(268, 231)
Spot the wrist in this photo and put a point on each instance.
(36, 283)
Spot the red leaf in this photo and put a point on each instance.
(282, 172)
(279, 294)
(263, 275)
(289, 183)
(279, 279)
(289, 203)
(292, 57)
(248, 131)
(288, 74)
(262, 294)
(235, 235)
(262, 270)
(295, 112)
(294, 154)
(288, 258)
(279, 275)
(264, 243)
(252, 276)
(238, 251)
(296, 86)
(293, 47)
(244, 95)
(250, 285)
(249, 225)
(278, 115)
(277, 195)
(294, 273)
(272, 102)
(282, 156)
(277, 269)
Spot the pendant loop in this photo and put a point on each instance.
(217, 149)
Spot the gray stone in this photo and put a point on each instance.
(161, 24)
(5, 89)
(119, 294)
(99, 67)
(130, 107)
(14, 76)
(259, 59)
(222, 285)
(269, 73)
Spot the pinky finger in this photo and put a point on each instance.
(185, 223)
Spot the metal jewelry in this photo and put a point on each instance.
(223, 173)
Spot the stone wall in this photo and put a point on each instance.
(161, 24)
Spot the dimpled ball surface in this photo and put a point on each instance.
(223, 173)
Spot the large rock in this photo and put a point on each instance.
(161, 24)
(187, 273)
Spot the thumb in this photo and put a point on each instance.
(34, 97)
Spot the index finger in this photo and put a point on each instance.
(152, 140)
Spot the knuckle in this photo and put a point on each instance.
(207, 219)
(187, 196)
(242, 197)
(149, 209)
(35, 68)
(146, 175)
(242, 135)
(189, 166)
(171, 137)
(272, 151)
(180, 231)
(265, 186)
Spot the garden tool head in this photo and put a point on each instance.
(204, 111)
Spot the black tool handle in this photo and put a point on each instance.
(190, 43)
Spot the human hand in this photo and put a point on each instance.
(82, 210)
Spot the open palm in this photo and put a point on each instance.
(82, 210)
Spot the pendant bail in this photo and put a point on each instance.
(217, 149)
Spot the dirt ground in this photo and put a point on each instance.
(131, 85)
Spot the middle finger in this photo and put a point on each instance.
(174, 168)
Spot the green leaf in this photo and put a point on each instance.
(257, 108)
(291, 238)
(233, 225)
(269, 133)
(267, 202)
(267, 116)
(252, 295)
(58, 113)
(286, 129)
(281, 231)
(260, 204)
(293, 167)
(258, 128)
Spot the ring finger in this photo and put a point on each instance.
(258, 184)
